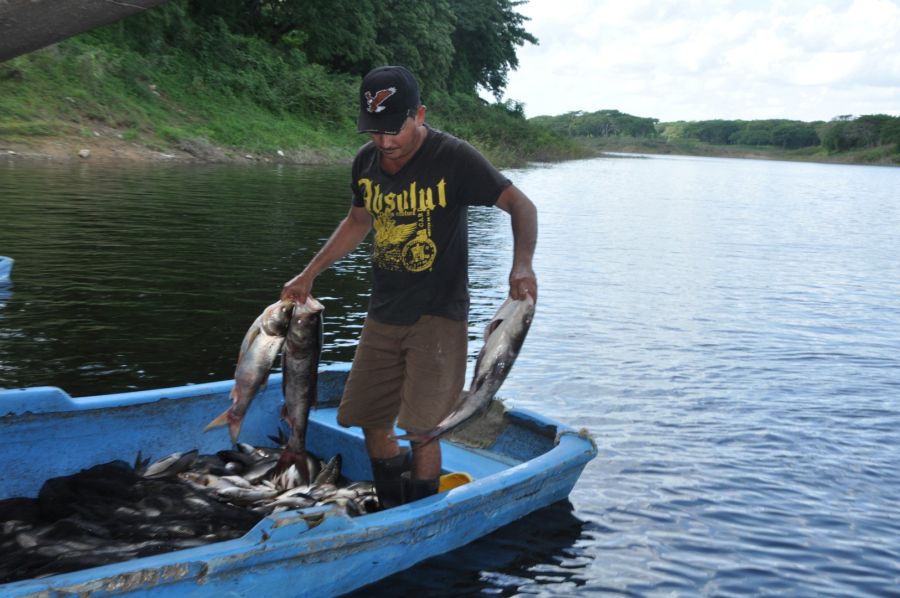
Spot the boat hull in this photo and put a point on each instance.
(309, 552)
(6, 264)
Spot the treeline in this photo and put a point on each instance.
(786, 134)
(603, 123)
(846, 132)
(843, 133)
(452, 45)
(289, 55)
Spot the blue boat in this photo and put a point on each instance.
(317, 551)
(6, 264)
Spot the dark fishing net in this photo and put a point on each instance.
(482, 431)
(108, 514)
(112, 513)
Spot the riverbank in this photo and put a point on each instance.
(106, 144)
(92, 98)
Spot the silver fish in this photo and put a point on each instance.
(289, 478)
(198, 480)
(236, 480)
(259, 349)
(300, 365)
(238, 495)
(257, 453)
(170, 466)
(259, 471)
(285, 504)
(503, 338)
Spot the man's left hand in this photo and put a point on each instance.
(522, 282)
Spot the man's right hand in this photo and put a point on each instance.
(297, 289)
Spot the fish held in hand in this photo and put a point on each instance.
(300, 366)
(259, 349)
(503, 338)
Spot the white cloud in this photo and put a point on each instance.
(697, 60)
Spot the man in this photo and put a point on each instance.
(413, 184)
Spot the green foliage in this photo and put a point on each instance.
(847, 133)
(611, 130)
(417, 34)
(785, 134)
(258, 77)
(451, 45)
(231, 64)
(486, 36)
(499, 129)
(603, 123)
(712, 131)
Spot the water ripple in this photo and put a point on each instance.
(727, 330)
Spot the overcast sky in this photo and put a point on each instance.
(700, 60)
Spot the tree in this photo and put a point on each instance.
(418, 34)
(713, 131)
(845, 133)
(485, 38)
(451, 45)
(794, 135)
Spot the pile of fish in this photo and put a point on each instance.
(250, 477)
(115, 511)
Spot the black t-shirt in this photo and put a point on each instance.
(420, 249)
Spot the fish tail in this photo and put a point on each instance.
(298, 460)
(219, 421)
(227, 419)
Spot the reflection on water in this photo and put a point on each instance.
(728, 330)
(140, 278)
(523, 557)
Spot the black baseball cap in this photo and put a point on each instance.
(386, 96)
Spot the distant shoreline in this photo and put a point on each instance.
(878, 157)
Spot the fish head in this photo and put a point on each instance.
(276, 318)
(504, 336)
(312, 305)
(520, 312)
(305, 328)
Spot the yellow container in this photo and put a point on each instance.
(452, 480)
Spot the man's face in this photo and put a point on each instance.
(404, 143)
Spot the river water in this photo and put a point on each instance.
(728, 330)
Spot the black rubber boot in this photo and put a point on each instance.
(386, 473)
(417, 489)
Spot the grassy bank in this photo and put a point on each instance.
(212, 95)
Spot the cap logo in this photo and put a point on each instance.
(374, 103)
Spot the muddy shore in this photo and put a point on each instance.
(108, 145)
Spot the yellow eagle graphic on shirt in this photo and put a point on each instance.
(388, 232)
(403, 245)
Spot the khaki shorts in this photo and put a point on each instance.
(410, 376)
